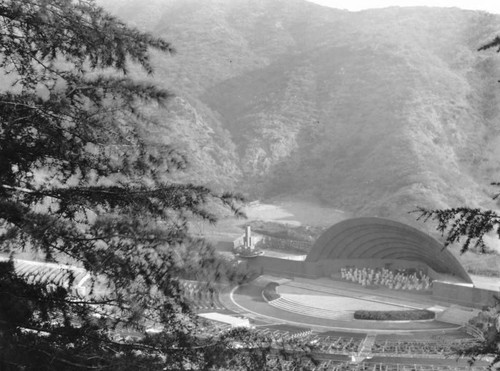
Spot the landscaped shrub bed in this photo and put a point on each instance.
(287, 232)
(394, 315)
(274, 243)
(269, 291)
(484, 272)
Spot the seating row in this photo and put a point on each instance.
(201, 296)
(419, 347)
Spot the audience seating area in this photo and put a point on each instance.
(329, 344)
(305, 364)
(342, 346)
(332, 365)
(53, 274)
(401, 279)
(201, 296)
(279, 335)
(427, 348)
(375, 366)
(337, 344)
(348, 345)
(207, 327)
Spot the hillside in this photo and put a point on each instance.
(372, 112)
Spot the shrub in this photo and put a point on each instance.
(269, 291)
(484, 272)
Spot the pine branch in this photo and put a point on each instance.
(454, 224)
(495, 42)
(86, 131)
(55, 357)
(18, 189)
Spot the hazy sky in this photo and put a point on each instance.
(492, 6)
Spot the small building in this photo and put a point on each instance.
(227, 319)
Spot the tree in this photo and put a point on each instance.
(467, 227)
(472, 224)
(81, 183)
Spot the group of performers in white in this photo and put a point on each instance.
(396, 280)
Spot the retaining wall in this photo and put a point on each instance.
(468, 296)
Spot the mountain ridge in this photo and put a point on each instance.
(373, 112)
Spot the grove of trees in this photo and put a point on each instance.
(80, 184)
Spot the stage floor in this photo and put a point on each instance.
(327, 304)
(331, 302)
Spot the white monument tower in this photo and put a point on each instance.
(247, 242)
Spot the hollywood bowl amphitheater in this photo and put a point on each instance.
(361, 264)
(358, 264)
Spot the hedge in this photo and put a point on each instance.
(394, 315)
(269, 291)
(284, 244)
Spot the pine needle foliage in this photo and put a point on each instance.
(81, 184)
(467, 227)
(463, 225)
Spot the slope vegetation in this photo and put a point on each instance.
(373, 112)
